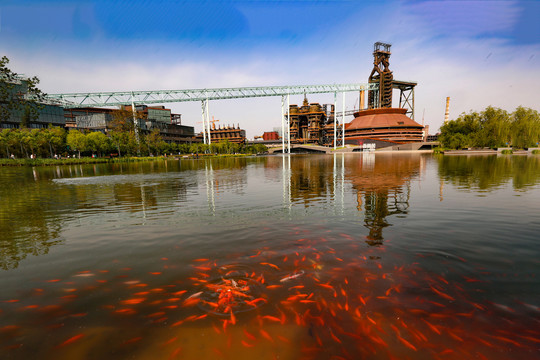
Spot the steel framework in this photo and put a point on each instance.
(95, 99)
(98, 99)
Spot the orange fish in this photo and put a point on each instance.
(169, 341)
(71, 340)
(271, 318)
(249, 335)
(133, 301)
(406, 343)
(246, 344)
(441, 294)
(269, 264)
(266, 335)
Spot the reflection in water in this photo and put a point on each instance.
(36, 203)
(150, 252)
(28, 221)
(383, 188)
(489, 172)
(382, 184)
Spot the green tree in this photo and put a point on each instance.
(153, 140)
(489, 128)
(461, 132)
(525, 128)
(4, 141)
(12, 100)
(123, 122)
(495, 128)
(77, 141)
(98, 142)
(54, 139)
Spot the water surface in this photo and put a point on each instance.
(350, 256)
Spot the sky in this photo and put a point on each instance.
(478, 53)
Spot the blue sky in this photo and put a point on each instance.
(478, 53)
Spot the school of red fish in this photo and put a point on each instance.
(310, 302)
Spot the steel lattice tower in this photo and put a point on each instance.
(381, 75)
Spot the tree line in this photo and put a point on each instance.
(57, 142)
(492, 128)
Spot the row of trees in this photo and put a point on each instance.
(56, 141)
(492, 128)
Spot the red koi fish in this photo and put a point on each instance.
(70, 340)
(441, 294)
(269, 264)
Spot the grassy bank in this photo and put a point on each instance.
(72, 161)
(89, 160)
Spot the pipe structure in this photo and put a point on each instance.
(135, 123)
(289, 124)
(447, 112)
(343, 121)
(335, 120)
(208, 123)
(203, 108)
(283, 124)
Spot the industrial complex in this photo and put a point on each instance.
(377, 123)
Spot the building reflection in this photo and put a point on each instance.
(380, 182)
(382, 185)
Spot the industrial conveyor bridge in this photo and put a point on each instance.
(116, 98)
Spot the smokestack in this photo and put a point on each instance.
(447, 109)
(362, 99)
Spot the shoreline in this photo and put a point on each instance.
(89, 160)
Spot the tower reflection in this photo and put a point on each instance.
(382, 185)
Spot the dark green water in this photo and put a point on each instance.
(357, 256)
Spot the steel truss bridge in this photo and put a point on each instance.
(104, 99)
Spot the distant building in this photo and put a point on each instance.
(48, 112)
(311, 123)
(383, 124)
(230, 133)
(270, 135)
(96, 119)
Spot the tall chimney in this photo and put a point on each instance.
(362, 94)
(447, 109)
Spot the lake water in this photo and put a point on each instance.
(387, 256)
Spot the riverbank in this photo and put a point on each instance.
(89, 160)
(504, 151)
(71, 161)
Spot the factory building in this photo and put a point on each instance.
(379, 124)
(311, 123)
(230, 133)
(384, 124)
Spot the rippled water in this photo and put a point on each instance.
(385, 256)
